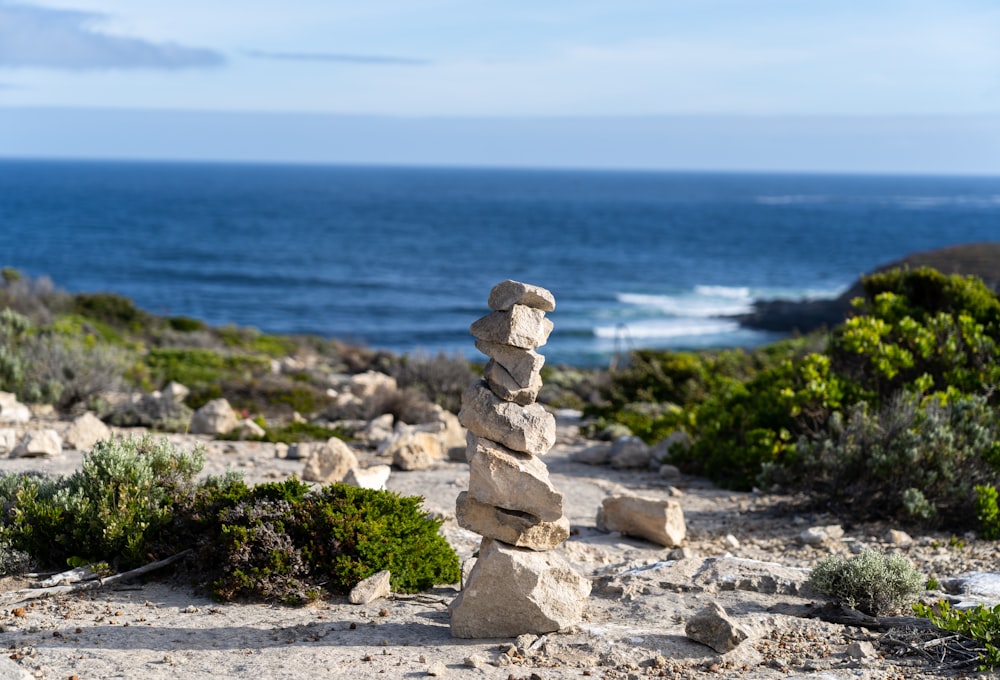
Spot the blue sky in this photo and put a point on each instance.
(881, 85)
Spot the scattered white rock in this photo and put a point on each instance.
(656, 520)
(596, 454)
(372, 588)
(629, 452)
(413, 449)
(373, 477)
(899, 539)
(861, 649)
(249, 429)
(214, 418)
(8, 439)
(712, 626)
(84, 432)
(821, 536)
(13, 411)
(176, 391)
(329, 462)
(368, 384)
(38, 443)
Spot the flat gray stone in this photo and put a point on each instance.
(372, 588)
(712, 626)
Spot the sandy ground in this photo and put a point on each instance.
(633, 625)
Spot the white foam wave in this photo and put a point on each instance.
(792, 199)
(704, 301)
(666, 328)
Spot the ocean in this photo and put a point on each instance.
(403, 258)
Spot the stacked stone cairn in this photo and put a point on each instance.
(518, 584)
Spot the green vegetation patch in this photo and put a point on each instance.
(871, 582)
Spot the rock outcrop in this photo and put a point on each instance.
(518, 585)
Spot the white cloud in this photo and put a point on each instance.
(370, 59)
(67, 39)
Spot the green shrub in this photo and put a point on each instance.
(252, 340)
(113, 309)
(979, 623)
(282, 541)
(185, 324)
(198, 367)
(871, 582)
(107, 510)
(987, 511)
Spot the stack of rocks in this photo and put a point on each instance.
(517, 585)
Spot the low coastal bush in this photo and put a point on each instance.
(979, 623)
(135, 500)
(871, 581)
(106, 511)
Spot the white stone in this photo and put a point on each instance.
(176, 391)
(528, 429)
(13, 411)
(248, 429)
(372, 588)
(819, 536)
(85, 431)
(629, 452)
(512, 591)
(522, 327)
(511, 480)
(508, 293)
(8, 439)
(38, 443)
(329, 462)
(215, 417)
(378, 430)
(656, 520)
(373, 477)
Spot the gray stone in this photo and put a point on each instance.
(898, 538)
(821, 536)
(511, 480)
(413, 449)
(215, 417)
(368, 384)
(522, 364)
(513, 528)
(669, 471)
(372, 588)
(378, 430)
(84, 432)
(712, 626)
(508, 293)
(503, 385)
(861, 649)
(10, 670)
(975, 587)
(522, 327)
(656, 520)
(512, 591)
(374, 477)
(528, 429)
(629, 453)
(248, 429)
(330, 462)
(596, 454)
(38, 443)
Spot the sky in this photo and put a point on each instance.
(868, 86)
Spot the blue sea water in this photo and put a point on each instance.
(404, 258)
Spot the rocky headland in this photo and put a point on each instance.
(804, 316)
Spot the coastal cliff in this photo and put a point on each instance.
(803, 316)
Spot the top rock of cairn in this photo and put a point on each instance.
(508, 293)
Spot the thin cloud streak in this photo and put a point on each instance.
(65, 40)
(339, 58)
